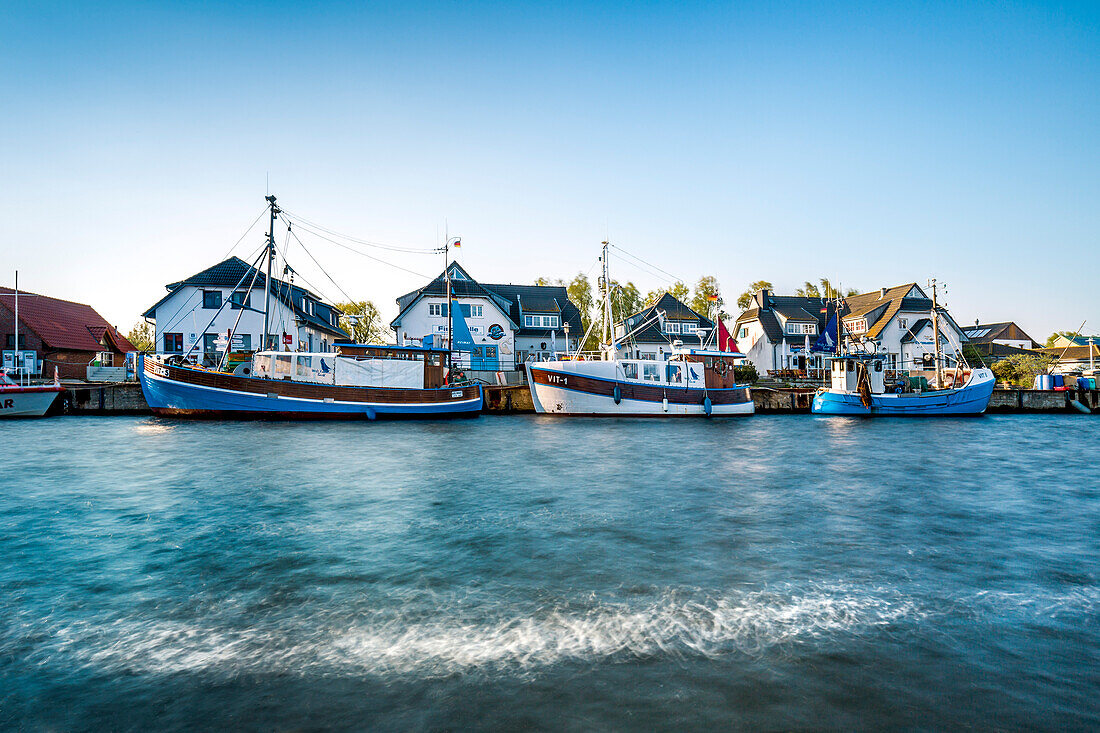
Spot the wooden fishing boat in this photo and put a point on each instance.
(356, 382)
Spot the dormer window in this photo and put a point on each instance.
(799, 329)
(540, 321)
(456, 274)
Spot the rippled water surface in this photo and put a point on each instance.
(770, 572)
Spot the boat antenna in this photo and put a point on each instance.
(274, 212)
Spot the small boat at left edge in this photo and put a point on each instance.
(26, 400)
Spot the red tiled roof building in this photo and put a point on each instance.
(65, 334)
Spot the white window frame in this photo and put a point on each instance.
(651, 372)
(672, 327)
(689, 328)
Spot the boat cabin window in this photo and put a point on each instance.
(283, 364)
(650, 373)
(851, 365)
(675, 374)
(878, 366)
(630, 370)
(304, 363)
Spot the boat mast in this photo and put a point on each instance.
(605, 288)
(936, 336)
(15, 356)
(447, 277)
(267, 281)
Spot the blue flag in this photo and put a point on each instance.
(826, 342)
(463, 340)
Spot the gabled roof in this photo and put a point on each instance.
(675, 310)
(515, 300)
(236, 273)
(539, 299)
(981, 333)
(797, 308)
(63, 324)
(914, 330)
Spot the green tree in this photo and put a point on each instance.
(745, 299)
(808, 290)
(704, 290)
(141, 336)
(677, 290)
(548, 281)
(1052, 338)
(626, 298)
(1020, 369)
(363, 322)
(580, 292)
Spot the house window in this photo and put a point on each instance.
(675, 373)
(540, 321)
(799, 329)
(903, 323)
(437, 309)
(22, 341)
(209, 345)
(238, 299)
(651, 373)
(672, 327)
(743, 332)
(475, 310)
(212, 299)
(630, 370)
(173, 343)
(688, 327)
(856, 325)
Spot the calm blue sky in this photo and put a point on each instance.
(872, 143)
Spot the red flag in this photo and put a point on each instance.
(725, 341)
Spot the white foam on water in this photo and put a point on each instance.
(451, 638)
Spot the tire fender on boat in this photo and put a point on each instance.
(664, 404)
(618, 394)
(708, 406)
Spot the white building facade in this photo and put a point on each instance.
(197, 315)
(778, 333)
(509, 324)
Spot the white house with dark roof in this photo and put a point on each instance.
(778, 332)
(654, 341)
(510, 324)
(189, 316)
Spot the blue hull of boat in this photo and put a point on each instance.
(172, 397)
(967, 400)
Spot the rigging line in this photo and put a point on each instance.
(394, 248)
(369, 257)
(219, 310)
(181, 314)
(650, 264)
(290, 232)
(246, 231)
(647, 271)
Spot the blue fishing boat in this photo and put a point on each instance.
(355, 382)
(859, 383)
(859, 388)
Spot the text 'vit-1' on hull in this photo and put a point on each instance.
(183, 391)
(616, 388)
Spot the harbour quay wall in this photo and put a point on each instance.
(112, 398)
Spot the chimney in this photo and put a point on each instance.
(762, 298)
(881, 293)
